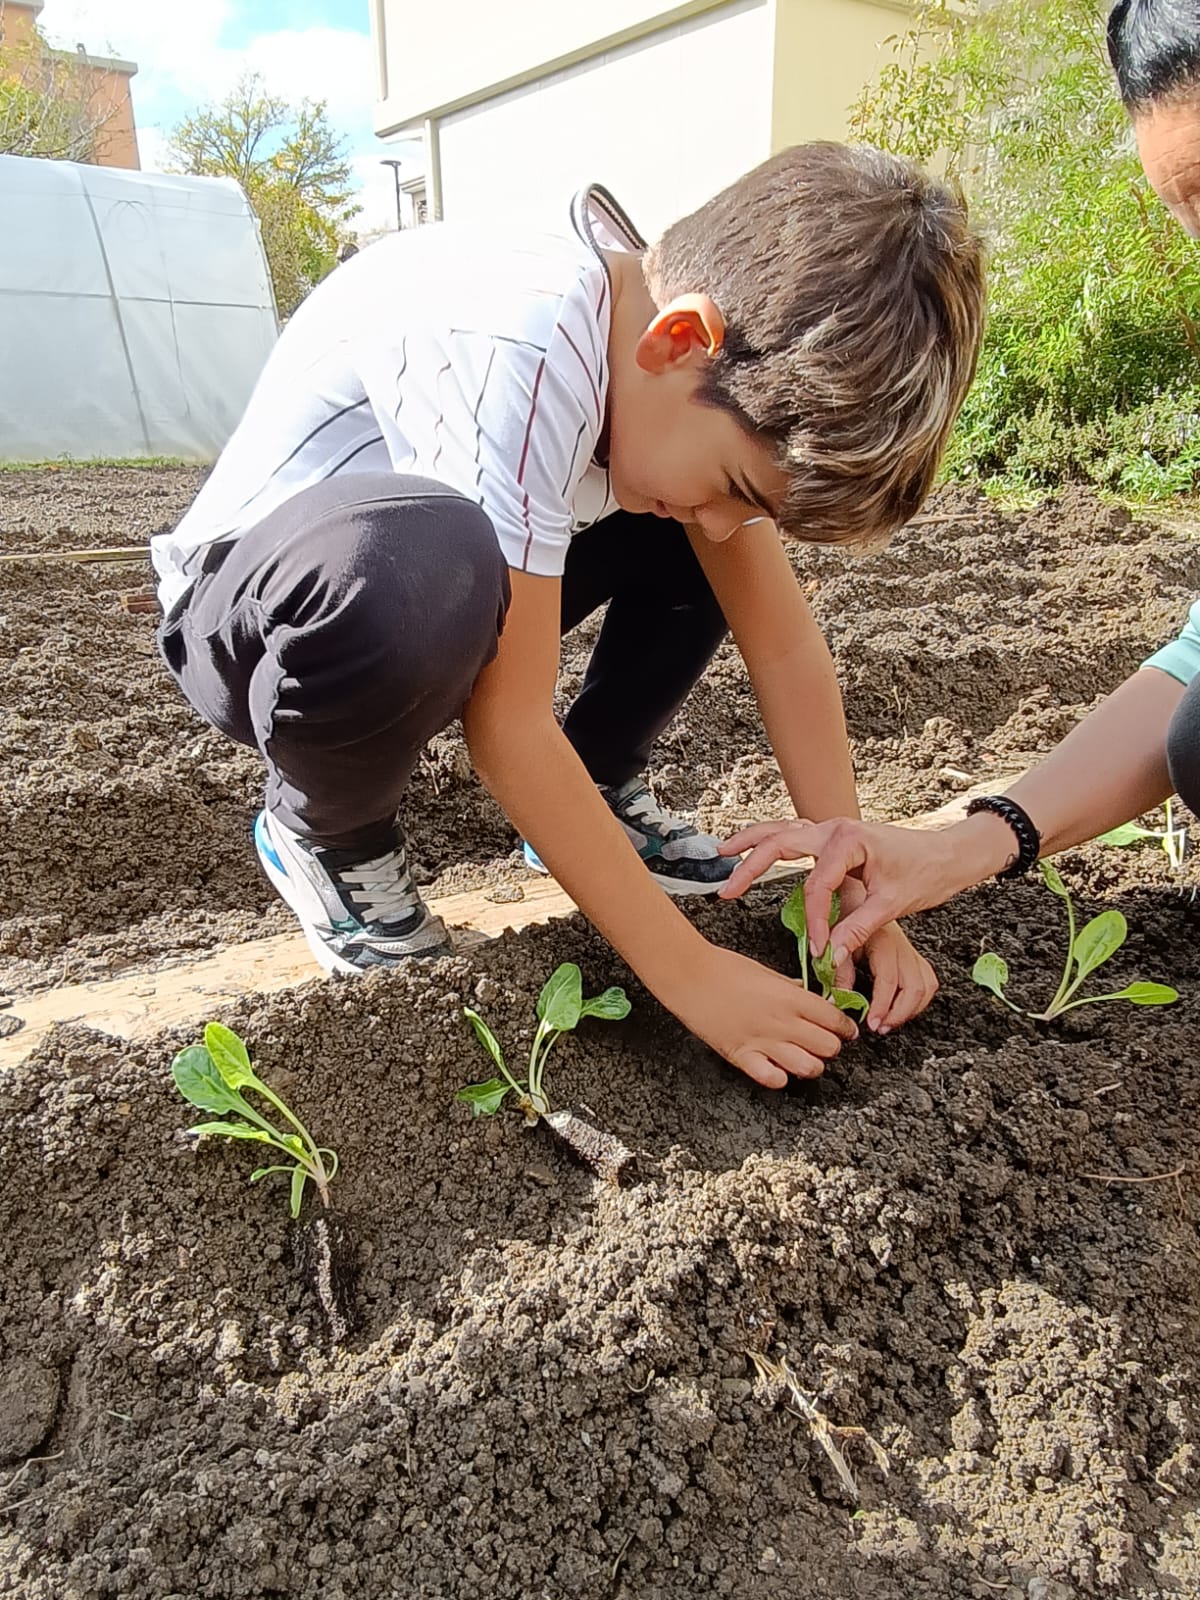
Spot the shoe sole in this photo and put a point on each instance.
(677, 888)
(328, 960)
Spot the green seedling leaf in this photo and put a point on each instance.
(1148, 994)
(485, 1036)
(299, 1178)
(1127, 833)
(611, 1006)
(826, 973)
(209, 1075)
(849, 1000)
(1053, 881)
(991, 972)
(229, 1054)
(793, 914)
(1141, 994)
(233, 1130)
(560, 1003)
(484, 1099)
(1097, 940)
(201, 1084)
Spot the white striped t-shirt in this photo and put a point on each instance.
(461, 353)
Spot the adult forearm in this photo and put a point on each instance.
(1111, 767)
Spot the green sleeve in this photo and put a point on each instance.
(1181, 658)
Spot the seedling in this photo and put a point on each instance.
(795, 918)
(1088, 948)
(560, 1009)
(214, 1076)
(1173, 839)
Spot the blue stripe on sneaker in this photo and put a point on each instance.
(262, 843)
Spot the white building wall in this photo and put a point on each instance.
(664, 122)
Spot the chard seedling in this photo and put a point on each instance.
(560, 1008)
(216, 1076)
(212, 1077)
(794, 917)
(1173, 839)
(1088, 948)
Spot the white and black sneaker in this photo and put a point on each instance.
(357, 911)
(680, 858)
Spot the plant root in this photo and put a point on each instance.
(601, 1153)
(324, 1254)
(774, 1374)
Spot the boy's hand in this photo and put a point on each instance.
(768, 1026)
(903, 981)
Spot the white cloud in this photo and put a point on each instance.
(182, 64)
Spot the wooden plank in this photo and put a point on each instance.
(137, 552)
(138, 1005)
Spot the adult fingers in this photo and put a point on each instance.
(753, 866)
(746, 838)
(838, 853)
(861, 924)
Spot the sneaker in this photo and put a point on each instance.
(680, 859)
(357, 911)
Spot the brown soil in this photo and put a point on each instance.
(975, 1240)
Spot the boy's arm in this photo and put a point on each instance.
(797, 691)
(766, 1025)
(789, 664)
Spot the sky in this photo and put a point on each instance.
(190, 55)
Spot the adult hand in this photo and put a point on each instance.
(769, 1027)
(902, 870)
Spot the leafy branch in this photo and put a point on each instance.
(212, 1076)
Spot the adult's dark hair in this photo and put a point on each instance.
(1154, 46)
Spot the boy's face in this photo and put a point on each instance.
(673, 456)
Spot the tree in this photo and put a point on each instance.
(48, 106)
(1089, 365)
(293, 168)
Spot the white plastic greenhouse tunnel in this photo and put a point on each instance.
(136, 312)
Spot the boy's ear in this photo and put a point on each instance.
(691, 327)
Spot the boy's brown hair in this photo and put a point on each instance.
(853, 294)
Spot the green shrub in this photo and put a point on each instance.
(1091, 364)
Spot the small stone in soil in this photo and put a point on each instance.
(29, 1395)
(323, 1251)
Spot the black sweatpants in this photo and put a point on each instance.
(350, 625)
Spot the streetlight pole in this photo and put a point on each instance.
(391, 161)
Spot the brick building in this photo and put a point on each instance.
(105, 80)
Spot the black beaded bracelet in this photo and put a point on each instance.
(1029, 840)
